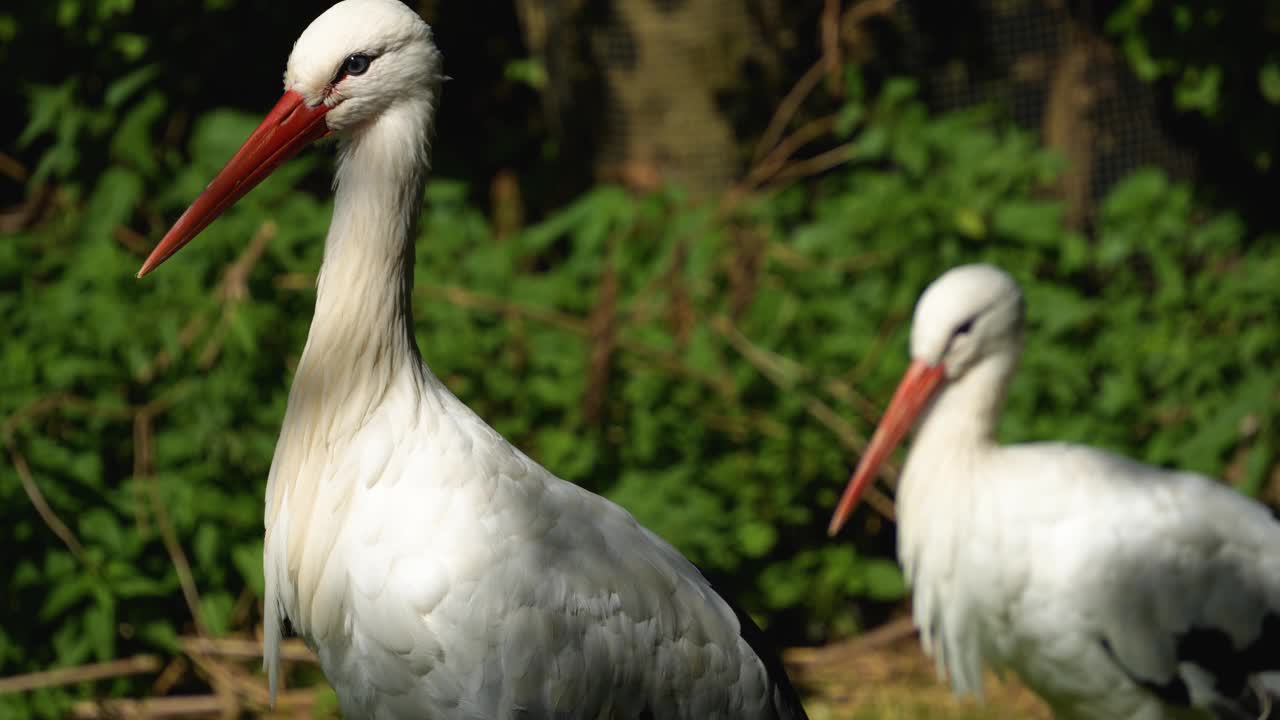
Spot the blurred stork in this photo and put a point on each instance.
(1114, 589)
(435, 569)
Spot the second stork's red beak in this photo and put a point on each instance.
(909, 400)
(290, 126)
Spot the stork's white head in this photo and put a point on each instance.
(361, 57)
(969, 313)
(360, 60)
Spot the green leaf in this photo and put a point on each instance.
(63, 595)
(1269, 82)
(111, 204)
(884, 580)
(849, 118)
(757, 538)
(100, 625)
(871, 143)
(47, 106)
(1199, 88)
(247, 558)
(1037, 223)
(129, 84)
(132, 142)
(216, 608)
(160, 634)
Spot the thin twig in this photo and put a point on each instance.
(872, 356)
(234, 290)
(823, 413)
(235, 278)
(136, 665)
(186, 706)
(30, 211)
(186, 336)
(777, 158)
(170, 676)
(782, 371)
(844, 392)
(463, 297)
(831, 59)
(786, 374)
(142, 464)
(793, 259)
(13, 168)
(42, 507)
(133, 241)
(243, 649)
(819, 163)
(787, 109)
(602, 342)
(226, 681)
(892, 632)
(9, 426)
(50, 403)
(667, 360)
(835, 27)
(861, 12)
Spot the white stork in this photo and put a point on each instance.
(436, 570)
(1114, 589)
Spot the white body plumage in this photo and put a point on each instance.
(436, 570)
(1114, 589)
(440, 572)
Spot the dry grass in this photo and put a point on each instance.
(885, 676)
(881, 675)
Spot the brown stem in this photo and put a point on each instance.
(42, 507)
(142, 465)
(135, 665)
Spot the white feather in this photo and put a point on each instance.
(1080, 570)
(436, 570)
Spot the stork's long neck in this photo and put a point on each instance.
(943, 513)
(361, 339)
(955, 436)
(963, 417)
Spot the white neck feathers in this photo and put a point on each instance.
(964, 414)
(362, 334)
(360, 356)
(938, 503)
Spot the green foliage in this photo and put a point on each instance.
(1221, 62)
(712, 370)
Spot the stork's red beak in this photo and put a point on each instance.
(914, 391)
(290, 126)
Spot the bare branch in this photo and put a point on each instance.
(831, 59)
(13, 168)
(142, 470)
(819, 163)
(297, 702)
(50, 403)
(778, 157)
(836, 654)
(188, 706)
(787, 109)
(42, 507)
(463, 297)
(236, 648)
(786, 374)
(136, 665)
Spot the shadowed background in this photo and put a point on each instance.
(670, 249)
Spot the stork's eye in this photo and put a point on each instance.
(964, 328)
(356, 64)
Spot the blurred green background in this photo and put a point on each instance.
(670, 249)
